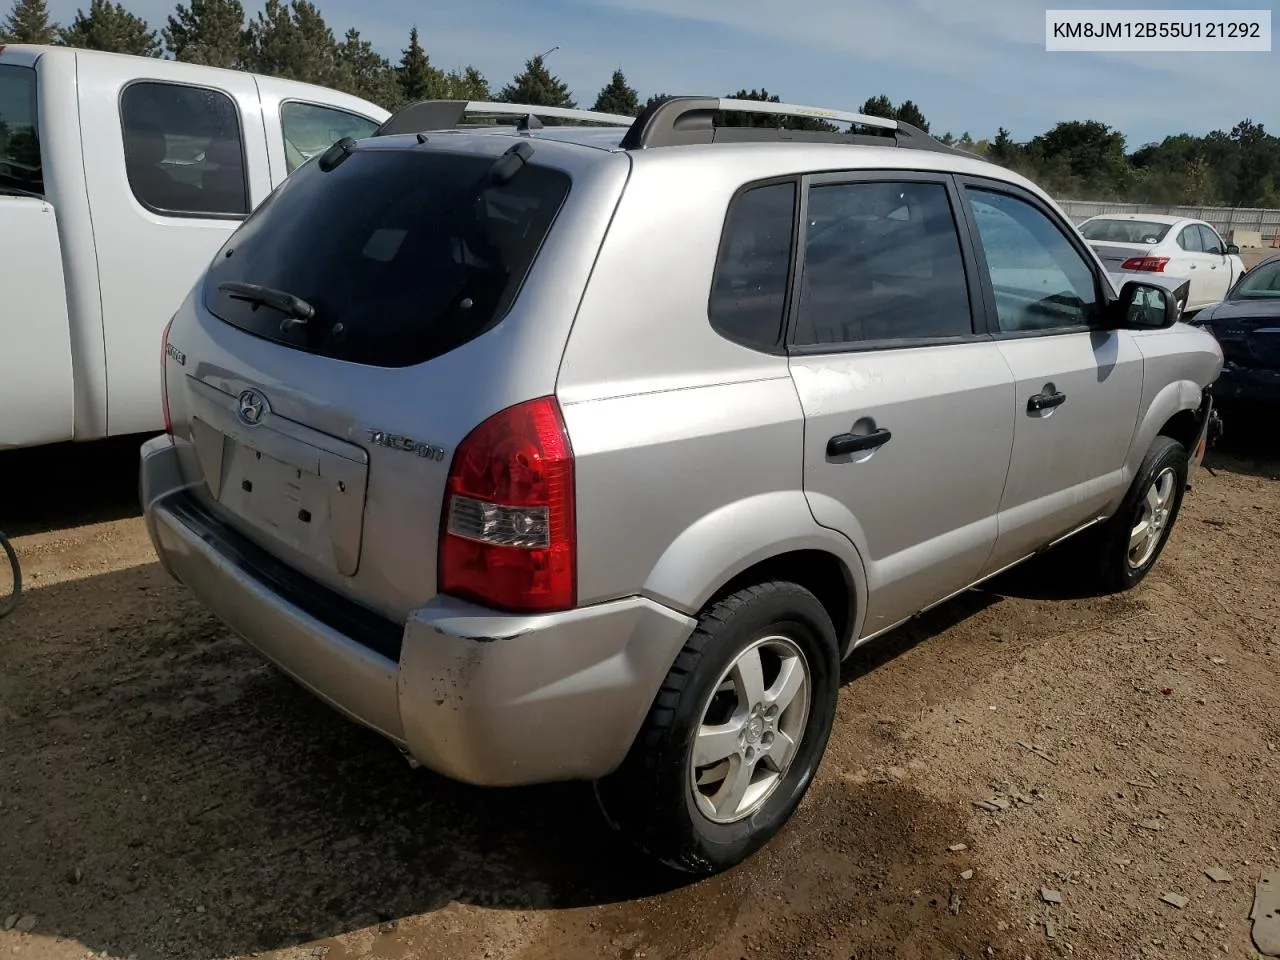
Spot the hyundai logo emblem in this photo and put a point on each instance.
(252, 407)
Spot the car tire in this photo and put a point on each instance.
(1151, 506)
(706, 817)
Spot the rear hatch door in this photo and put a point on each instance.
(345, 341)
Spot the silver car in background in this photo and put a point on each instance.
(587, 453)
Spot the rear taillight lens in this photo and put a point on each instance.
(1150, 264)
(508, 536)
(164, 376)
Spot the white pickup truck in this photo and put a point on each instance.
(120, 177)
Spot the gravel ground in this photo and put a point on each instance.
(163, 794)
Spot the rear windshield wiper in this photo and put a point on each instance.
(298, 309)
(8, 191)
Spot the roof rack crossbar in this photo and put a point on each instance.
(427, 115)
(688, 120)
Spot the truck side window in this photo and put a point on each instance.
(183, 150)
(20, 168)
(310, 129)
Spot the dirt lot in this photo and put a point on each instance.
(163, 794)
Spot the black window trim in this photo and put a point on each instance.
(244, 154)
(1103, 291)
(779, 348)
(977, 304)
(287, 101)
(35, 116)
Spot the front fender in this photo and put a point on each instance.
(724, 543)
(1173, 398)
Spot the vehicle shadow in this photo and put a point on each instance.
(164, 793)
(68, 485)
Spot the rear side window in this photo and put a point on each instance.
(183, 150)
(403, 255)
(309, 129)
(1189, 239)
(882, 262)
(749, 290)
(20, 170)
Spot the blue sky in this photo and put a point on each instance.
(970, 64)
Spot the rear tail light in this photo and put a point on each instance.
(164, 376)
(1149, 264)
(508, 538)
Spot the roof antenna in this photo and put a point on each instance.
(528, 122)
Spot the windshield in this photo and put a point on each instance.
(403, 254)
(1125, 231)
(1260, 283)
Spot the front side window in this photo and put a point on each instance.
(882, 262)
(20, 168)
(749, 288)
(1210, 241)
(391, 258)
(310, 129)
(183, 150)
(1041, 282)
(1260, 283)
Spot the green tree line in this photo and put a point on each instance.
(1076, 159)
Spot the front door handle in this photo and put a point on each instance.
(1045, 401)
(843, 443)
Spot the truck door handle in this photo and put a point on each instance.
(1046, 401)
(843, 443)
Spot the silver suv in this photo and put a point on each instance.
(573, 452)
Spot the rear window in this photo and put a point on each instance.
(402, 255)
(1125, 231)
(19, 137)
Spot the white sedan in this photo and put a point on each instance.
(1178, 247)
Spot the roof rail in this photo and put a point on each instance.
(688, 120)
(426, 115)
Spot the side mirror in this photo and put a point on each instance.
(1232, 249)
(1144, 306)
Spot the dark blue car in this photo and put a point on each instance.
(1247, 326)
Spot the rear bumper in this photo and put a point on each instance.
(482, 697)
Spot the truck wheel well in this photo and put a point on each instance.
(1182, 426)
(821, 573)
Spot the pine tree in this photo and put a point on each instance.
(537, 86)
(466, 84)
(293, 41)
(618, 97)
(1003, 149)
(109, 26)
(880, 106)
(28, 22)
(769, 119)
(367, 73)
(211, 32)
(417, 78)
(908, 112)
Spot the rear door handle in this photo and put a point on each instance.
(1046, 401)
(843, 443)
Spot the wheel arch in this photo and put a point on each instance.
(770, 536)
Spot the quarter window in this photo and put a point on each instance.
(183, 150)
(20, 168)
(1040, 281)
(749, 288)
(882, 262)
(310, 129)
